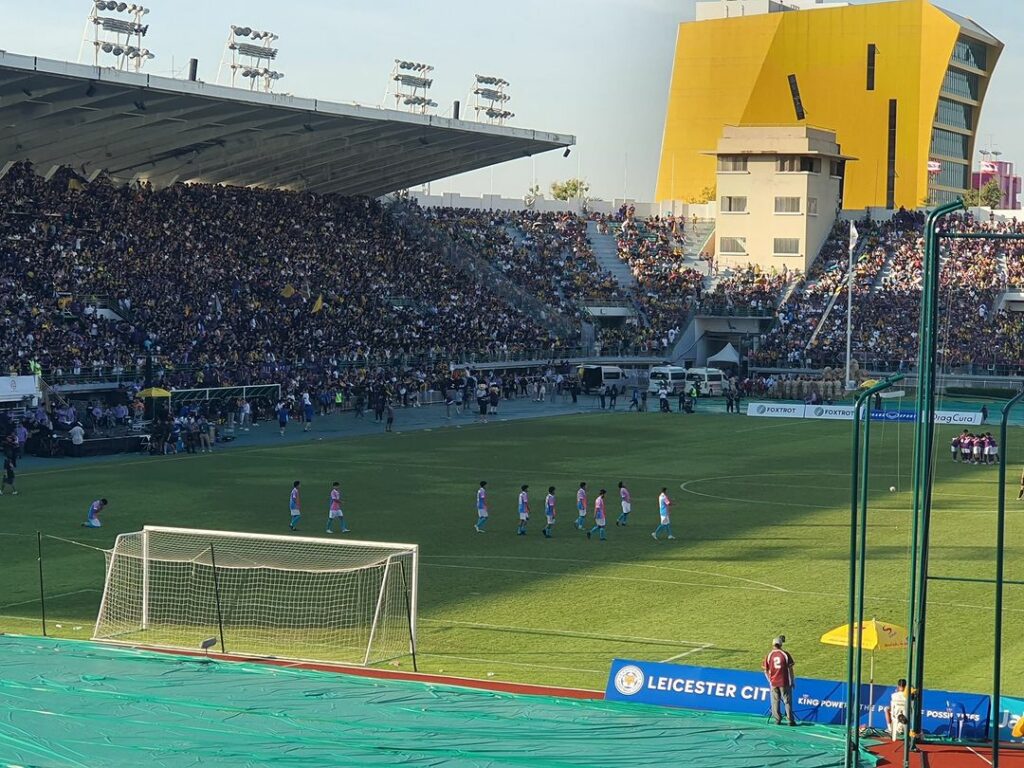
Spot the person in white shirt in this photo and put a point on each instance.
(896, 713)
(77, 435)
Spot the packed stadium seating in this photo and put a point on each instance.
(975, 334)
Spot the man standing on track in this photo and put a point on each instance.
(778, 670)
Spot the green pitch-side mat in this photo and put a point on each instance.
(67, 703)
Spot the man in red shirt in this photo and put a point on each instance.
(778, 669)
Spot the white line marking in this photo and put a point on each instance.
(608, 578)
(687, 653)
(499, 663)
(971, 749)
(590, 563)
(569, 633)
(48, 597)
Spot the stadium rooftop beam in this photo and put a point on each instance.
(161, 130)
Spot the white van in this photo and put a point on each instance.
(593, 377)
(672, 377)
(711, 380)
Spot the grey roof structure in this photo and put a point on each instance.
(135, 126)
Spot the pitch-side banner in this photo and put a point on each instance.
(1010, 711)
(956, 715)
(845, 413)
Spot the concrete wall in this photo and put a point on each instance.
(545, 205)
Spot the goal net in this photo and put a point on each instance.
(294, 597)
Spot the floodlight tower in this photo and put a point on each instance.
(412, 86)
(250, 61)
(120, 38)
(490, 99)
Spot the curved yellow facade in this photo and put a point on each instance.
(736, 71)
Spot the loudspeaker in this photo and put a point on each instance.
(455, 110)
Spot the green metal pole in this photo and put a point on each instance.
(997, 659)
(855, 683)
(850, 754)
(923, 433)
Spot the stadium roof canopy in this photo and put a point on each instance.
(162, 130)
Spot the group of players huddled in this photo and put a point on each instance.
(971, 448)
(580, 524)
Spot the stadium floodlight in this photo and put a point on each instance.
(249, 60)
(412, 84)
(121, 38)
(304, 597)
(489, 98)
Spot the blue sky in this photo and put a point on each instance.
(598, 69)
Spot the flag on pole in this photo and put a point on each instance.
(987, 166)
(934, 166)
(318, 304)
(854, 234)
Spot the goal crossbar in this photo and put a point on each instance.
(207, 533)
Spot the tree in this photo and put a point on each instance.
(570, 189)
(706, 195)
(989, 196)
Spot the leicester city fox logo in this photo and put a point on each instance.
(629, 680)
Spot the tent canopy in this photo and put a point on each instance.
(727, 355)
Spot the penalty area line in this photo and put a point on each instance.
(568, 633)
(499, 663)
(684, 654)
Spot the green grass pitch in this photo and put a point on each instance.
(761, 516)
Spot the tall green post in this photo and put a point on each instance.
(923, 434)
(997, 660)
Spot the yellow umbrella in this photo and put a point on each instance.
(154, 392)
(876, 636)
(864, 385)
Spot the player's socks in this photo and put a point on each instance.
(294, 522)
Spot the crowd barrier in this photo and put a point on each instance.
(945, 713)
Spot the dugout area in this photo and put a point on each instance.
(73, 703)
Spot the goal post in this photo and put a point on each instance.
(284, 596)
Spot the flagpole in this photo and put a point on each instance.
(849, 303)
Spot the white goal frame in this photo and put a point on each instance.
(213, 536)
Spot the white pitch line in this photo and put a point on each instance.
(498, 663)
(591, 563)
(600, 577)
(568, 633)
(686, 653)
(984, 759)
(48, 597)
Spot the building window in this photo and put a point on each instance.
(962, 84)
(949, 144)
(787, 246)
(787, 205)
(734, 205)
(955, 115)
(812, 206)
(953, 175)
(797, 164)
(835, 168)
(732, 164)
(971, 53)
(733, 245)
(872, 51)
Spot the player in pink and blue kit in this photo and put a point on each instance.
(665, 522)
(600, 521)
(481, 508)
(92, 519)
(627, 505)
(581, 506)
(335, 511)
(524, 511)
(295, 506)
(549, 511)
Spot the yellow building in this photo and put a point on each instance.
(901, 83)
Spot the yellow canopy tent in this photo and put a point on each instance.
(154, 392)
(873, 636)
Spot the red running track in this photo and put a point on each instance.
(946, 756)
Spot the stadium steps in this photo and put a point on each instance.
(607, 254)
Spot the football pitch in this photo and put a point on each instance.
(760, 514)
